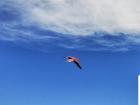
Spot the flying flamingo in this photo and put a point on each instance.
(75, 60)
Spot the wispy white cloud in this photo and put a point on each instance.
(75, 20)
(84, 17)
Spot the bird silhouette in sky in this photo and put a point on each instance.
(74, 60)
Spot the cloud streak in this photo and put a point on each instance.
(85, 24)
(84, 17)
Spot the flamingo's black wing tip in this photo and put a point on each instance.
(79, 66)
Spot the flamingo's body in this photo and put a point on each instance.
(75, 60)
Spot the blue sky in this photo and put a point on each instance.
(36, 35)
(36, 78)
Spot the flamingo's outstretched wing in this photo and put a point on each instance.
(78, 64)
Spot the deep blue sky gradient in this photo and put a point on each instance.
(32, 77)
